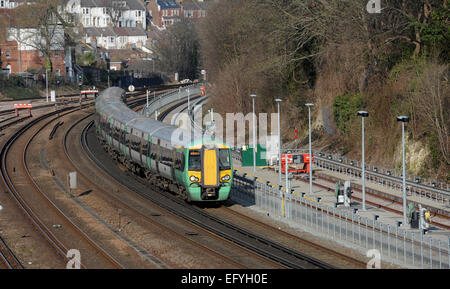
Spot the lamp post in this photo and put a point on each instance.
(403, 119)
(278, 100)
(46, 84)
(254, 132)
(310, 151)
(363, 114)
(189, 106)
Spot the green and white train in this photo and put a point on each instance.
(196, 170)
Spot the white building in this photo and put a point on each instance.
(115, 37)
(106, 13)
(8, 4)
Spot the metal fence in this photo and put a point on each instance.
(155, 103)
(413, 250)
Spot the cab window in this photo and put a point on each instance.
(195, 160)
(224, 159)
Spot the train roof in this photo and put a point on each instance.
(110, 102)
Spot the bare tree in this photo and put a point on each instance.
(41, 25)
(431, 100)
(116, 10)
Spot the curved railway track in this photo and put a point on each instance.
(8, 258)
(263, 246)
(34, 212)
(200, 244)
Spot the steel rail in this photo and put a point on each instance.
(75, 227)
(52, 239)
(255, 243)
(7, 257)
(145, 217)
(387, 177)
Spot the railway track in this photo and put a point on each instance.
(263, 246)
(28, 194)
(201, 240)
(7, 257)
(435, 191)
(378, 199)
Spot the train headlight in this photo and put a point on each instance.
(194, 179)
(225, 178)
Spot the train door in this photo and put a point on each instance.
(210, 168)
(165, 164)
(135, 145)
(154, 151)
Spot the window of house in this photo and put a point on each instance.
(58, 72)
(111, 39)
(7, 54)
(2, 4)
(104, 10)
(56, 53)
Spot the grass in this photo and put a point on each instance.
(17, 92)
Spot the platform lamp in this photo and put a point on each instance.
(403, 119)
(254, 131)
(363, 114)
(310, 150)
(278, 100)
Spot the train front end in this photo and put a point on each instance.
(209, 172)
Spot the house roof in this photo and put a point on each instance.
(130, 4)
(130, 31)
(167, 4)
(193, 5)
(99, 31)
(114, 31)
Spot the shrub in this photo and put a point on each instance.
(345, 107)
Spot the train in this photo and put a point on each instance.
(197, 170)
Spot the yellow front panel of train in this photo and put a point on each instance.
(210, 168)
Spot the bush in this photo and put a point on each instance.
(345, 107)
(14, 88)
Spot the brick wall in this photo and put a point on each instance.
(28, 59)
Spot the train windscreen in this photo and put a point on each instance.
(195, 160)
(224, 159)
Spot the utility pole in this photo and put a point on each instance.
(310, 150)
(254, 132)
(403, 119)
(278, 100)
(363, 114)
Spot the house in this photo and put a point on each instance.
(115, 37)
(193, 9)
(22, 47)
(106, 13)
(164, 12)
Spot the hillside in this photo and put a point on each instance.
(343, 59)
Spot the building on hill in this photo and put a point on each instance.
(164, 13)
(115, 37)
(23, 47)
(108, 13)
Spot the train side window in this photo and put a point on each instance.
(179, 161)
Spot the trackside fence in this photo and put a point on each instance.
(406, 248)
(162, 100)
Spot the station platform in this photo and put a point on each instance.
(327, 198)
(426, 202)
